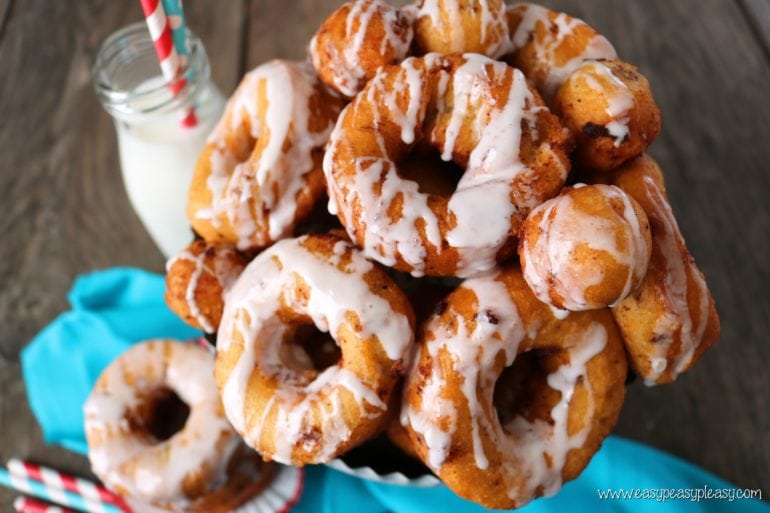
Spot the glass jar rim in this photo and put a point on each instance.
(156, 97)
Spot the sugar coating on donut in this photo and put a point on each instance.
(585, 249)
(548, 45)
(197, 280)
(672, 319)
(609, 107)
(260, 171)
(464, 348)
(461, 26)
(355, 40)
(129, 461)
(483, 116)
(304, 416)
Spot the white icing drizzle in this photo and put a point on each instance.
(545, 49)
(494, 166)
(155, 471)
(678, 273)
(349, 75)
(536, 440)
(258, 196)
(620, 99)
(400, 237)
(267, 284)
(446, 16)
(563, 228)
(527, 447)
(223, 270)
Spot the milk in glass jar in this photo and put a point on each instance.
(157, 142)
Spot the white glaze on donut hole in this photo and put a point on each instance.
(282, 406)
(477, 112)
(613, 92)
(198, 278)
(505, 458)
(609, 107)
(259, 174)
(548, 45)
(461, 26)
(588, 248)
(355, 40)
(175, 470)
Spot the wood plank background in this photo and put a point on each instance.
(758, 16)
(63, 209)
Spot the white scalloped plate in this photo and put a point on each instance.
(394, 478)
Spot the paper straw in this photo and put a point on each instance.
(57, 479)
(175, 15)
(30, 505)
(57, 495)
(170, 62)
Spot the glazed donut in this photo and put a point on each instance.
(260, 172)
(572, 403)
(204, 467)
(609, 108)
(461, 26)
(670, 321)
(197, 279)
(355, 40)
(274, 398)
(548, 45)
(475, 111)
(586, 249)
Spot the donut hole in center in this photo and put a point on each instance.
(308, 348)
(424, 166)
(160, 416)
(522, 389)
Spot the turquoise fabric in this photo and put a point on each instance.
(114, 308)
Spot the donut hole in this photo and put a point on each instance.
(160, 416)
(308, 348)
(424, 166)
(522, 389)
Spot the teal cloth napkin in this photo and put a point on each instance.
(115, 308)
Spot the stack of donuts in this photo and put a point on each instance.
(503, 249)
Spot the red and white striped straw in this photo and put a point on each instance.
(60, 480)
(30, 505)
(170, 63)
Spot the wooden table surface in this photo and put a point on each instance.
(64, 211)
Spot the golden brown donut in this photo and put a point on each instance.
(139, 450)
(573, 401)
(586, 249)
(197, 279)
(260, 172)
(479, 113)
(461, 26)
(548, 45)
(609, 107)
(355, 40)
(279, 403)
(670, 321)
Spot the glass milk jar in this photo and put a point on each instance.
(157, 144)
